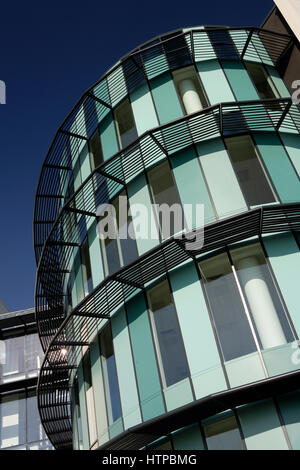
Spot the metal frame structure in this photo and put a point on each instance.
(146, 433)
(82, 121)
(57, 212)
(80, 326)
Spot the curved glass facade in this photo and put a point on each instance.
(138, 324)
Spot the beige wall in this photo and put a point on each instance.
(290, 9)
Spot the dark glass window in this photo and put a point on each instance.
(86, 268)
(249, 170)
(172, 356)
(223, 435)
(164, 191)
(262, 81)
(245, 305)
(77, 415)
(133, 72)
(110, 375)
(227, 308)
(176, 49)
(87, 371)
(127, 244)
(223, 44)
(96, 155)
(119, 248)
(125, 123)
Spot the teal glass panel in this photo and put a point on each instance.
(200, 345)
(143, 109)
(292, 146)
(125, 370)
(284, 256)
(261, 427)
(108, 137)
(239, 80)
(223, 184)
(282, 173)
(188, 438)
(165, 98)
(289, 405)
(214, 82)
(186, 168)
(83, 409)
(144, 359)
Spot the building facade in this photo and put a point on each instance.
(174, 338)
(285, 18)
(21, 356)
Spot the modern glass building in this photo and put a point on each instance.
(162, 341)
(21, 356)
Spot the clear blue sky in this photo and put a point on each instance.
(50, 53)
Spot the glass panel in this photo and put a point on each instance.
(262, 81)
(109, 246)
(176, 49)
(127, 244)
(78, 415)
(192, 84)
(223, 44)
(249, 170)
(170, 345)
(33, 354)
(87, 372)
(226, 306)
(166, 446)
(86, 268)
(35, 431)
(260, 292)
(164, 191)
(110, 375)
(125, 123)
(12, 420)
(96, 155)
(223, 435)
(14, 366)
(119, 249)
(112, 255)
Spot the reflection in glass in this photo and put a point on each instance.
(86, 268)
(263, 301)
(262, 81)
(12, 420)
(110, 375)
(249, 170)
(125, 123)
(96, 155)
(223, 435)
(35, 430)
(190, 90)
(164, 191)
(118, 248)
(173, 361)
(226, 306)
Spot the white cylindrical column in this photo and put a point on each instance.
(190, 96)
(261, 304)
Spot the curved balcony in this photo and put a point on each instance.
(220, 120)
(141, 65)
(56, 372)
(56, 231)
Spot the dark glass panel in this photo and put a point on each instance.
(171, 348)
(249, 170)
(226, 306)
